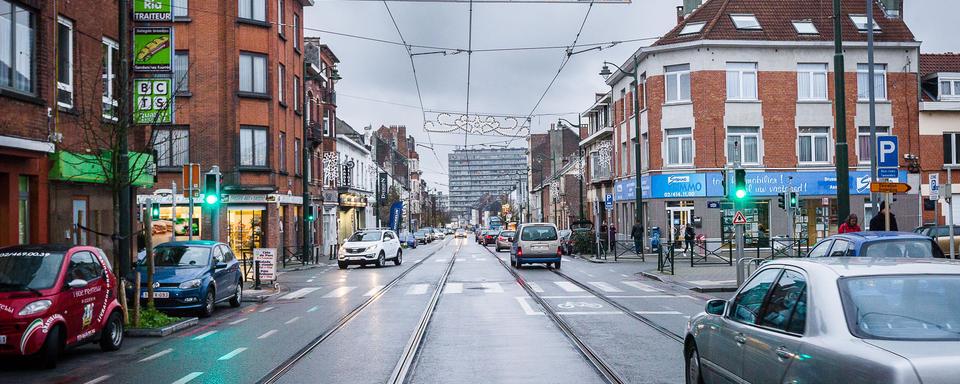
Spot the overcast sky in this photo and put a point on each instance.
(378, 86)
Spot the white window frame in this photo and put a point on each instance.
(108, 78)
(296, 31)
(15, 48)
(281, 19)
(281, 83)
(180, 9)
(742, 133)
(164, 144)
(880, 88)
(954, 151)
(801, 27)
(692, 28)
(746, 21)
(806, 69)
(65, 86)
(865, 131)
(813, 145)
(681, 138)
(953, 86)
(860, 21)
(736, 71)
(251, 6)
(253, 58)
(282, 151)
(296, 93)
(252, 130)
(181, 84)
(677, 72)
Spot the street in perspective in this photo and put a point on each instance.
(479, 191)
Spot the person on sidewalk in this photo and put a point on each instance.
(851, 224)
(689, 234)
(637, 234)
(878, 222)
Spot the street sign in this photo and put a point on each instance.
(880, 187)
(153, 49)
(153, 101)
(887, 152)
(190, 180)
(713, 204)
(934, 186)
(887, 173)
(152, 10)
(825, 201)
(267, 262)
(739, 218)
(608, 202)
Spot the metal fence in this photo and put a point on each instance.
(665, 258)
(723, 252)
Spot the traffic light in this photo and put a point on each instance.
(155, 211)
(211, 189)
(723, 182)
(740, 183)
(312, 213)
(794, 199)
(781, 200)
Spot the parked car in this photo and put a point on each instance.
(370, 246)
(941, 234)
(503, 239)
(876, 244)
(439, 234)
(407, 238)
(460, 233)
(832, 320)
(194, 276)
(566, 241)
(536, 243)
(54, 297)
(422, 236)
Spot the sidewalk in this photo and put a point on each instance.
(701, 278)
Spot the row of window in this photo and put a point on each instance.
(172, 145)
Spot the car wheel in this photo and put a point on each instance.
(111, 336)
(238, 296)
(556, 265)
(399, 259)
(52, 346)
(693, 368)
(381, 261)
(342, 265)
(207, 309)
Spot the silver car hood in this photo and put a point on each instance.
(934, 361)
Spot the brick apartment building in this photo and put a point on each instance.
(750, 79)
(555, 189)
(238, 70)
(939, 130)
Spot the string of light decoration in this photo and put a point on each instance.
(604, 149)
(331, 168)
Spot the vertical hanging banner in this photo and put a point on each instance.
(153, 101)
(396, 214)
(382, 182)
(153, 49)
(152, 10)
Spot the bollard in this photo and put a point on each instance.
(256, 274)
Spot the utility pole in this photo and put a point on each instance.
(305, 248)
(873, 109)
(840, 115)
(123, 157)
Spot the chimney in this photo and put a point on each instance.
(690, 5)
(679, 14)
(892, 8)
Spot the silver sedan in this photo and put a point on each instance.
(832, 320)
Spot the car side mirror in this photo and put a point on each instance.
(77, 283)
(220, 265)
(716, 307)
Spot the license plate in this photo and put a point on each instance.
(157, 295)
(3, 339)
(540, 248)
(357, 258)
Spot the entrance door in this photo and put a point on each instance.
(79, 218)
(245, 230)
(680, 214)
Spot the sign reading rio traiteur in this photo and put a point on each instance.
(152, 10)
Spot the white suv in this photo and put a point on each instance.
(370, 246)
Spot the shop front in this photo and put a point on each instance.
(351, 215)
(23, 191)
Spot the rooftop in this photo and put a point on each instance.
(931, 63)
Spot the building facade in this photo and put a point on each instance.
(939, 132)
(738, 81)
(357, 181)
(597, 148)
(478, 172)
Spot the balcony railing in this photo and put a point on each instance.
(314, 132)
(328, 97)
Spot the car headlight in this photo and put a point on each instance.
(195, 283)
(371, 248)
(35, 307)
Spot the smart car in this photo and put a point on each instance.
(193, 276)
(57, 296)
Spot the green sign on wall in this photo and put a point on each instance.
(154, 101)
(151, 10)
(153, 49)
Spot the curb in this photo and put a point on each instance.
(264, 297)
(695, 288)
(161, 332)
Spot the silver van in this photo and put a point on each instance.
(535, 243)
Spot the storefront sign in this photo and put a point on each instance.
(153, 49)
(154, 104)
(353, 200)
(382, 186)
(152, 10)
(267, 262)
(680, 185)
(271, 198)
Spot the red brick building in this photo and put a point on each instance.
(751, 81)
(939, 130)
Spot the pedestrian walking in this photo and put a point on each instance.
(637, 234)
(851, 224)
(689, 235)
(878, 222)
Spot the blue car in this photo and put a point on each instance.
(877, 244)
(407, 238)
(193, 276)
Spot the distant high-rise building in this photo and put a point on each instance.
(478, 172)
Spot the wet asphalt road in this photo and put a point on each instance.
(484, 328)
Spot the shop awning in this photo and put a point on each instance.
(89, 168)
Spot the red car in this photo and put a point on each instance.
(56, 296)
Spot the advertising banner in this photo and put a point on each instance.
(153, 49)
(152, 10)
(154, 101)
(267, 258)
(396, 215)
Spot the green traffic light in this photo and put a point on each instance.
(741, 193)
(155, 213)
(210, 199)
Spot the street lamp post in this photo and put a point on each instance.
(638, 190)
(305, 179)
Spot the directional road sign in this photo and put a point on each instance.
(879, 187)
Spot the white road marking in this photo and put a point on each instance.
(439, 260)
(492, 287)
(535, 287)
(639, 285)
(204, 335)
(310, 281)
(568, 286)
(658, 312)
(712, 282)
(156, 355)
(268, 334)
(577, 313)
(186, 379)
(481, 259)
(417, 261)
(267, 309)
(238, 321)
(453, 288)
(298, 293)
(232, 353)
(374, 290)
(99, 379)
(605, 286)
(314, 308)
(418, 289)
(651, 297)
(291, 321)
(624, 275)
(527, 309)
(339, 292)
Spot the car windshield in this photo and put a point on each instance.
(903, 307)
(181, 256)
(913, 248)
(538, 233)
(22, 270)
(420, 233)
(365, 236)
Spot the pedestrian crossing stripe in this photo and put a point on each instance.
(568, 286)
(487, 287)
(339, 292)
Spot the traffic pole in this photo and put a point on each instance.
(949, 199)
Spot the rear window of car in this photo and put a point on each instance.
(507, 233)
(902, 307)
(911, 248)
(538, 233)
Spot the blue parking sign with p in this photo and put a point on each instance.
(887, 152)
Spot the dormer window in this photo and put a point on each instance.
(950, 89)
(805, 27)
(746, 21)
(692, 28)
(861, 22)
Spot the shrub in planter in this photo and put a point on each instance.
(584, 242)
